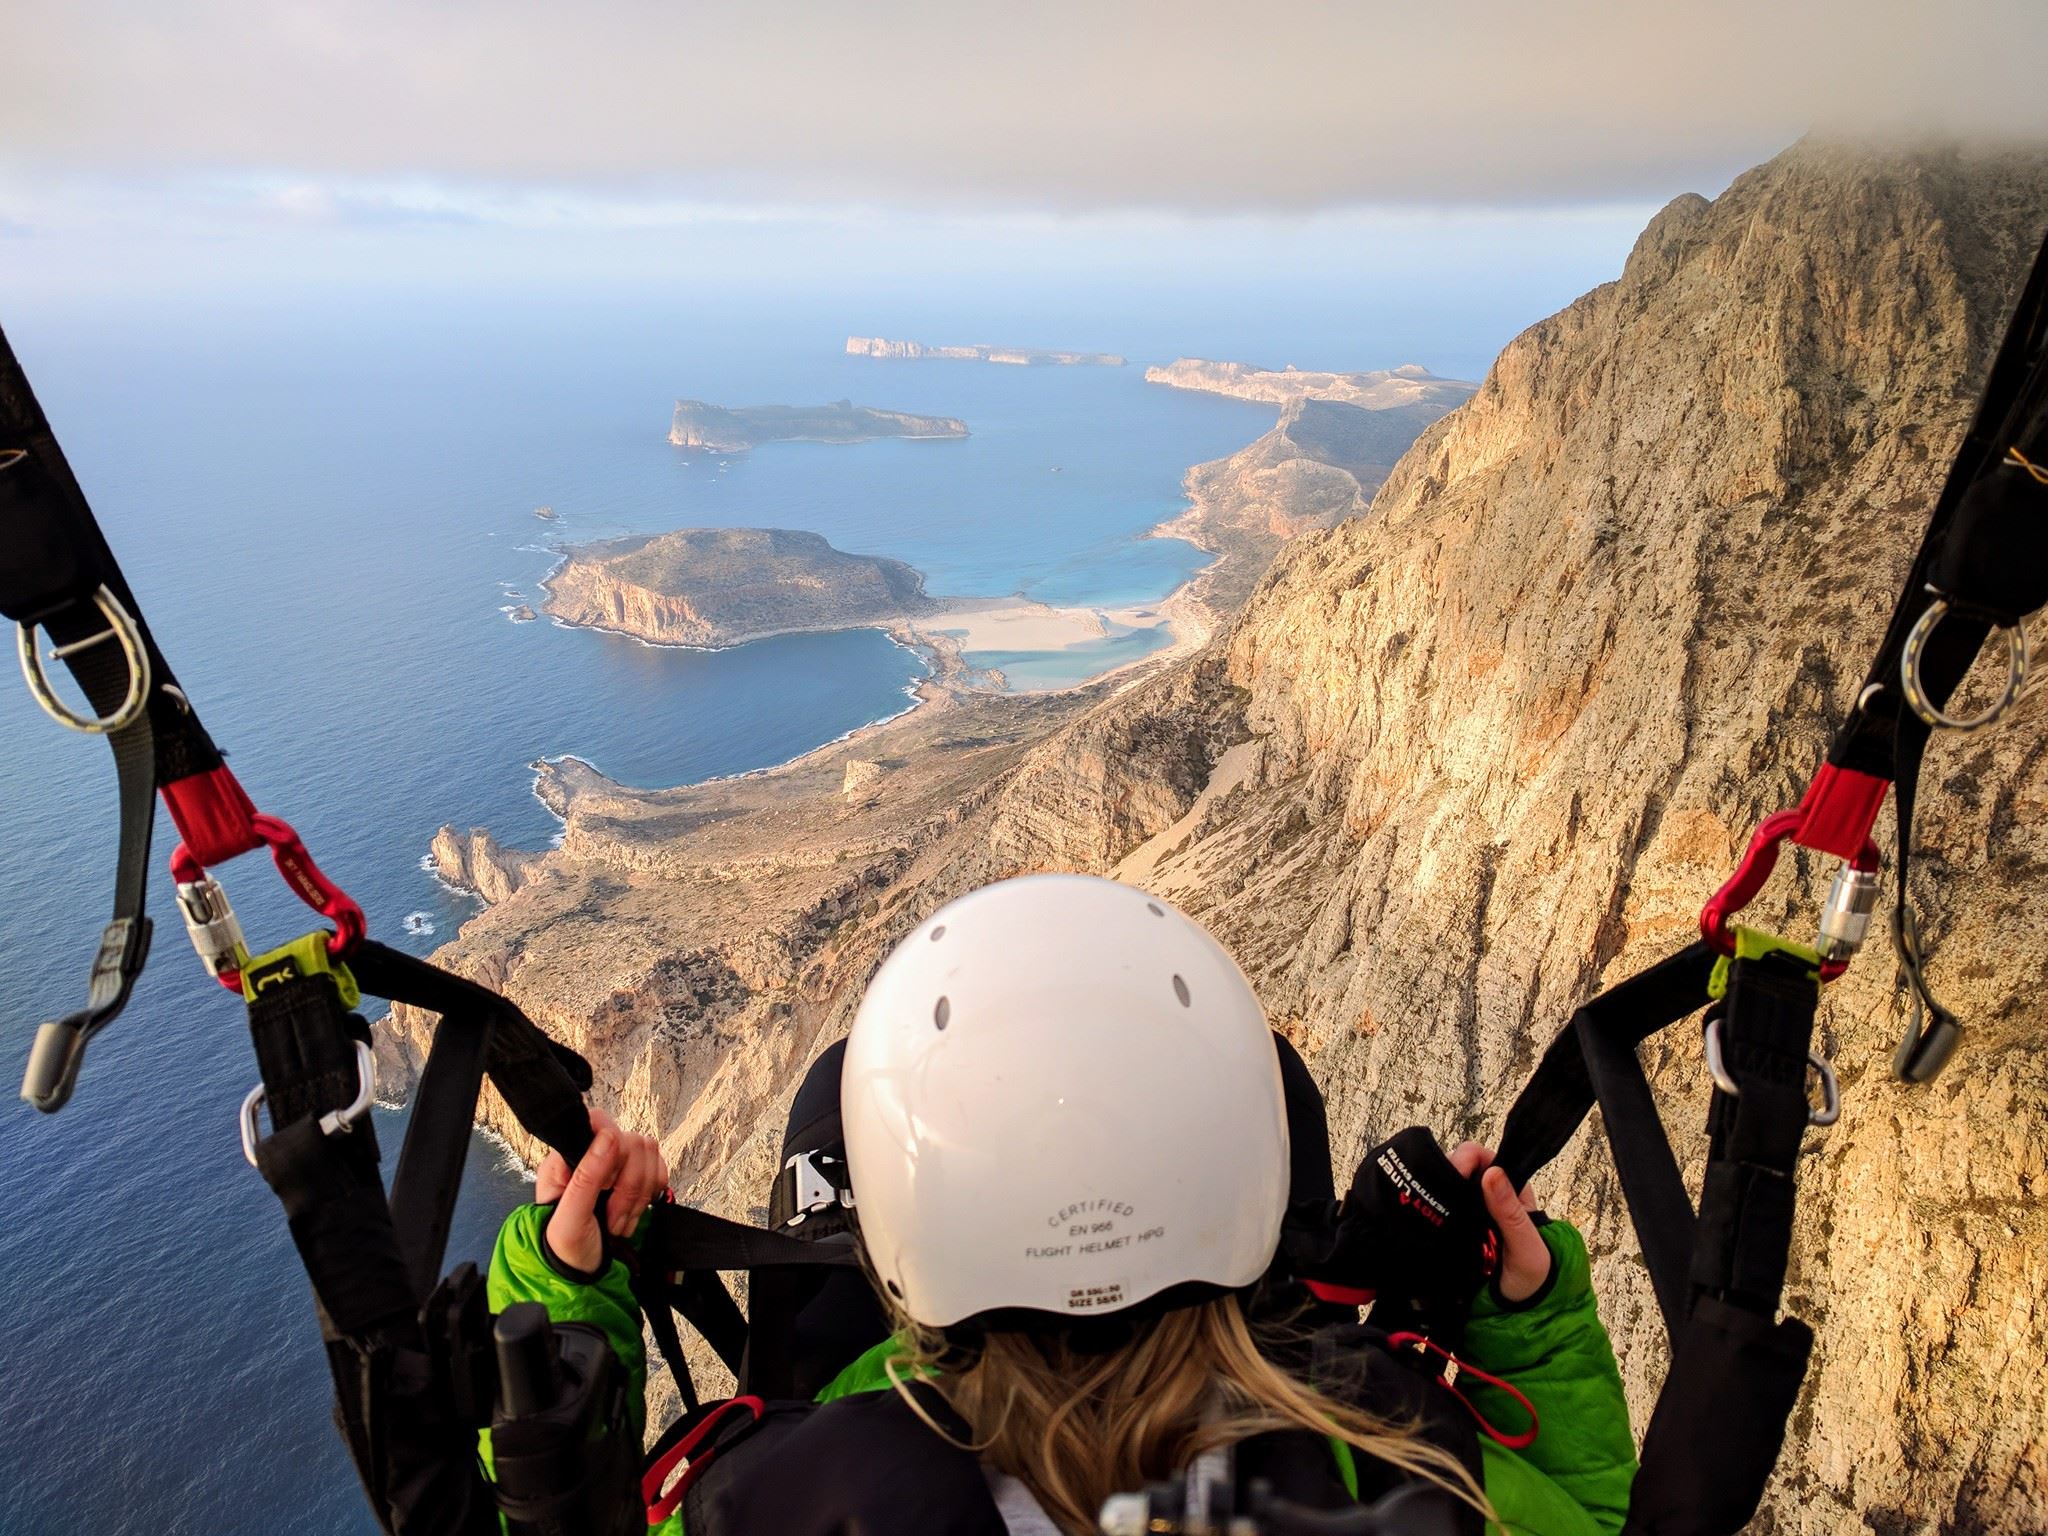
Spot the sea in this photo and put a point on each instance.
(327, 514)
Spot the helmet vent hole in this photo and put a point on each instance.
(895, 1290)
(1180, 990)
(942, 1015)
(1155, 909)
(938, 933)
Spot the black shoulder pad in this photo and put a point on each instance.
(861, 1466)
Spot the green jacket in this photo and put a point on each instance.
(1572, 1481)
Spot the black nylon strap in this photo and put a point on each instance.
(1556, 1099)
(1865, 741)
(1746, 1202)
(684, 1239)
(328, 1183)
(429, 1175)
(542, 1081)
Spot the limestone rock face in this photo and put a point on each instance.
(1506, 731)
(476, 861)
(861, 776)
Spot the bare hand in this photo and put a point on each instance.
(1525, 1257)
(630, 1166)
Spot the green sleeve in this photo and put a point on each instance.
(1557, 1354)
(521, 1270)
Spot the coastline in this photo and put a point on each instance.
(958, 626)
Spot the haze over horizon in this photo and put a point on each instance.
(1083, 161)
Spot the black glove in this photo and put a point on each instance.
(1412, 1230)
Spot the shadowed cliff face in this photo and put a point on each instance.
(1466, 756)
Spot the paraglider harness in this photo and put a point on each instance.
(419, 1364)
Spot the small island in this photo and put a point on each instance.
(1020, 357)
(715, 587)
(734, 429)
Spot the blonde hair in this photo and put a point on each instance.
(1076, 1427)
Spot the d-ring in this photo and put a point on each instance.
(1916, 696)
(120, 627)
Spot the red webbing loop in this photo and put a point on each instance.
(213, 814)
(1515, 1442)
(1838, 810)
(661, 1505)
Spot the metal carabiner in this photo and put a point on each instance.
(335, 1121)
(1916, 696)
(121, 626)
(1717, 1068)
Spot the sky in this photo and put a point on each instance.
(232, 150)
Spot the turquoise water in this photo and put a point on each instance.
(323, 512)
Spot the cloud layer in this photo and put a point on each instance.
(1192, 104)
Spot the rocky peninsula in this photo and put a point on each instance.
(1463, 757)
(724, 586)
(1023, 357)
(1410, 385)
(736, 428)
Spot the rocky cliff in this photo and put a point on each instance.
(1498, 738)
(736, 428)
(722, 586)
(477, 862)
(1462, 758)
(1320, 464)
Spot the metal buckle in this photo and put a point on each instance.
(1717, 1068)
(813, 1190)
(334, 1121)
(2016, 660)
(121, 626)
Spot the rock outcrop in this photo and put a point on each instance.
(1462, 758)
(1026, 357)
(723, 586)
(477, 862)
(1319, 465)
(736, 428)
(1382, 389)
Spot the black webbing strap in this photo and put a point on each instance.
(1593, 1060)
(53, 560)
(1556, 1099)
(59, 1049)
(373, 1262)
(1745, 1222)
(1720, 1418)
(416, 1458)
(682, 1239)
(329, 1183)
(2009, 413)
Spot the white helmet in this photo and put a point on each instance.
(1061, 1094)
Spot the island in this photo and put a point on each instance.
(1021, 357)
(734, 429)
(1379, 390)
(714, 587)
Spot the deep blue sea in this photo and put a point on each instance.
(323, 514)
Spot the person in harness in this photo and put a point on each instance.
(1093, 1200)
